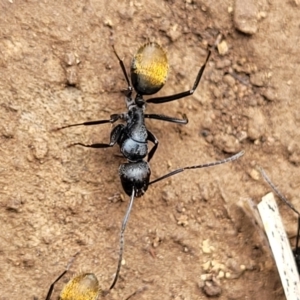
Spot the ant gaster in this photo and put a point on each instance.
(149, 69)
(296, 251)
(84, 286)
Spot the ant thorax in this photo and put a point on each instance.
(133, 139)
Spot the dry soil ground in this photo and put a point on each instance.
(58, 67)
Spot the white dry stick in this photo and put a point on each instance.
(280, 247)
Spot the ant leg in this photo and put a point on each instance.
(52, 285)
(60, 276)
(123, 227)
(113, 119)
(183, 94)
(212, 164)
(151, 137)
(297, 248)
(167, 119)
(114, 137)
(129, 87)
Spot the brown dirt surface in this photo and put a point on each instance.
(190, 236)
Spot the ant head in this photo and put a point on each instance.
(84, 286)
(149, 69)
(135, 175)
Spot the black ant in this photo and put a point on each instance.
(296, 251)
(84, 286)
(149, 70)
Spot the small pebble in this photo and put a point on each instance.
(206, 265)
(70, 59)
(28, 261)
(245, 16)
(269, 94)
(156, 242)
(174, 34)
(206, 248)
(241, 136)
(258, 78)
(211, 289)
(256, 124)
(40, 149)
(233, 265)
(108, 23)
(223, 48)
(229, 80)
(254, 174)
(72, 78)
(14, 205)
(223, 63)
(217, 92)
(205, 277)
(183, 220)
(217, 267)
(227, 143)
(221, 274)
(295, 158)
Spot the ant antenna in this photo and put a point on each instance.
(123, 227)
(211, 164)
(61, 275)
(274, 188)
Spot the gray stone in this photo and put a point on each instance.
(245, 16)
